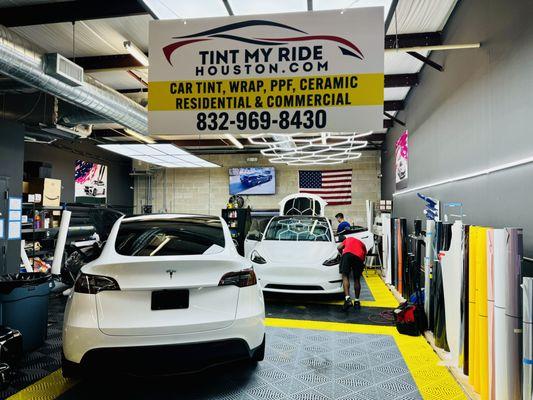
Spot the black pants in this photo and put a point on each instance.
(351, 263)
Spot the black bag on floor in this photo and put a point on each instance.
(410, 319)
(10, 345)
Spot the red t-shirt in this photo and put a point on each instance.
(354, 246)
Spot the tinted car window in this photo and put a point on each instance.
(302, 206)
(170, 237)
(299, 228)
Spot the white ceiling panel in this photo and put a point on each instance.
(343, 4)
(402, 63)
(183, 9)
(117, 79)
(398, 93)
(421, 16)
(247, 7)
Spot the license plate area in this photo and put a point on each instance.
(170, 299)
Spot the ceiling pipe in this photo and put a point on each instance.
(23, 61)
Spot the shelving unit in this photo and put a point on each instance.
(30, 233)
(239, 221)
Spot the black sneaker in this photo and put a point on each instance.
(347, 304)
(357, 304)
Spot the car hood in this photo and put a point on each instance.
(296, 252)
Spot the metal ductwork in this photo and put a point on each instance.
(24, 62)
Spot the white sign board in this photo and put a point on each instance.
(297, 72)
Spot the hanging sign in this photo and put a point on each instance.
(402, 160)
(297, 72)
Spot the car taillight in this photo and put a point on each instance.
(243, 278)
(335, 260)
(92, 284)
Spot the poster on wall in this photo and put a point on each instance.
(402, 160)
(297, 72)
(90, 182)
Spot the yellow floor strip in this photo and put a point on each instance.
(381, 293)
(48, 388)
(434, 381)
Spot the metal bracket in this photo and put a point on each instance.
(426, 60)
(394, 118)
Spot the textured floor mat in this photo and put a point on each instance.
(299, 364)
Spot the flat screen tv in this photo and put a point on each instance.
(258, 180)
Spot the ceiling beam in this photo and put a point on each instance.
(69, 11)
(109, 63)
(413, 40)
(401, 80)
(393, 105)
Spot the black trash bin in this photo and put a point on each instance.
(24, 306)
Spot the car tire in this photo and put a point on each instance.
(70, 369)
(259, 352)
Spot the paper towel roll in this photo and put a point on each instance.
(60, 244)
(24, 257)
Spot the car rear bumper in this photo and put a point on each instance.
(166, 359)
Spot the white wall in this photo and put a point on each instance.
(206, 191)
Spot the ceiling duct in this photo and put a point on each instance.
(24, 62)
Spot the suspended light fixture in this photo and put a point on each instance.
(300, 149)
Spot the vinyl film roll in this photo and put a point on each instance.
(387, 246)
(490, 313)
(527, 339)
(452, 271)
(500, 340)
(513, 317)
(428, 262)
(473, 376)
(482, 314)
(464, 350)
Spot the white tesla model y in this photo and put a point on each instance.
(298, 254)
(169, 293)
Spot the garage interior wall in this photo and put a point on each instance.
(471, 117)
(11, 166)
(119, 182)
(206, 191)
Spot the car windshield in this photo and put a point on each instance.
(170, 237)
(299, 228)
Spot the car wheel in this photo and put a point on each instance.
(259, 352)
(69, 368)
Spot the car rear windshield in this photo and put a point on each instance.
(170, 237)
(299, 228)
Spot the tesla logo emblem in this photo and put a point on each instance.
(171, 272)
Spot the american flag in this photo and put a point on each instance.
(333, 186)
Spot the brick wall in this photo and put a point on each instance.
(206, 191)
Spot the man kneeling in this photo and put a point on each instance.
(353, 260)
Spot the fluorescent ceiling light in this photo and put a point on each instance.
(248, 7)
(184, 9)
(234, 141)
(136, 52)
(162, 154)
(139, 136)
